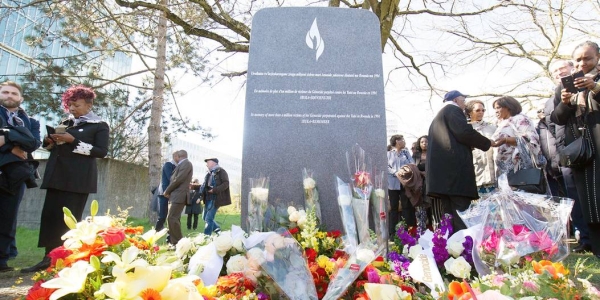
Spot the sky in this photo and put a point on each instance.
(221, 106)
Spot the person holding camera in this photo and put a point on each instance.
(215, 193)
(71, 173)
(579, 111)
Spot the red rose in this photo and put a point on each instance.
(113, 236)
(58, 253)
(311, 254)
(294, 230)
(334, 234)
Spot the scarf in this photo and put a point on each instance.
(582, 97)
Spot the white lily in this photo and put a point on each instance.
(152, 236)
(84, 232)
(70, 280)
(130, 285)
(127, 261)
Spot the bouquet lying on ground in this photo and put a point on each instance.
(512, 228)
(537, 280)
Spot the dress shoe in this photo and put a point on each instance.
(5, 268)
(42, 265)
(582, 248)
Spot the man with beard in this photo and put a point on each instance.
(20, 136)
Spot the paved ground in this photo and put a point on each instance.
(13, 285)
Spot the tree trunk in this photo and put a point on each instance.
(154, 129)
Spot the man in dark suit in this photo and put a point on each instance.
(449, 169)
(178, 193)
(14, 157)
(163, 202)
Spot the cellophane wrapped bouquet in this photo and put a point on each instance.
(258, 199)
(282, 258)
(512, 228)
(362, 185)
(344, 197)
(379, 211)
(311, 195)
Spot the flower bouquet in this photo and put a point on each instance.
(311, 195)
(513, 227)
(103, 257)
(344, 194)
(379, 212)
(257, 203)
(537, 280)
(356, 264)
(281, 257)
(362, 186)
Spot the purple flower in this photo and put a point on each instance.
(446, 224)
(405, 238)
(468, 252)
(440, 254)
(394, 256)
(262, 296)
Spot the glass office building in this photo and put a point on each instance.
(18, 58)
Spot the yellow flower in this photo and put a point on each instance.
(208, 291)
(322, 261)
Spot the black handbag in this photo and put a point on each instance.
(529, 180)
(578, 153)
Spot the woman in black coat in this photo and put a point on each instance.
(573, 110)
(71, 173)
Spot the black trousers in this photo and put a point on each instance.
(451, 204)
(398, 197)
(52, 224)
(9, 208)
(189, 221)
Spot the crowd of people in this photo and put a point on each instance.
(463, 155)
(459, 160)
(71, 173)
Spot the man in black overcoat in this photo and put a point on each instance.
(449, 169)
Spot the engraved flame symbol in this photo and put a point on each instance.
(314, 40)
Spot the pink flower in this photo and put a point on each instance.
(540, 241)
(518, 229)
(113, 236)
(530, 286)
(491, 243)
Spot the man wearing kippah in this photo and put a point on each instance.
(449, 169)
(215, 193)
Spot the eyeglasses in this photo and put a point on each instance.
(480, 110)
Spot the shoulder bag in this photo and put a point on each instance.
(531, 180)
(580, 152)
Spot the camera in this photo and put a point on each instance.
(568, 82)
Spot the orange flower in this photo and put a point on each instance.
(134, 230)
(554, 269)
(150, 294)
(456, 290)
(85, 252)
(39, 294)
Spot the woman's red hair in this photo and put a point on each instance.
(75, 93)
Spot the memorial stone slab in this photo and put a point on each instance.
(314, 89)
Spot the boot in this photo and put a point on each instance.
(42, 265)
